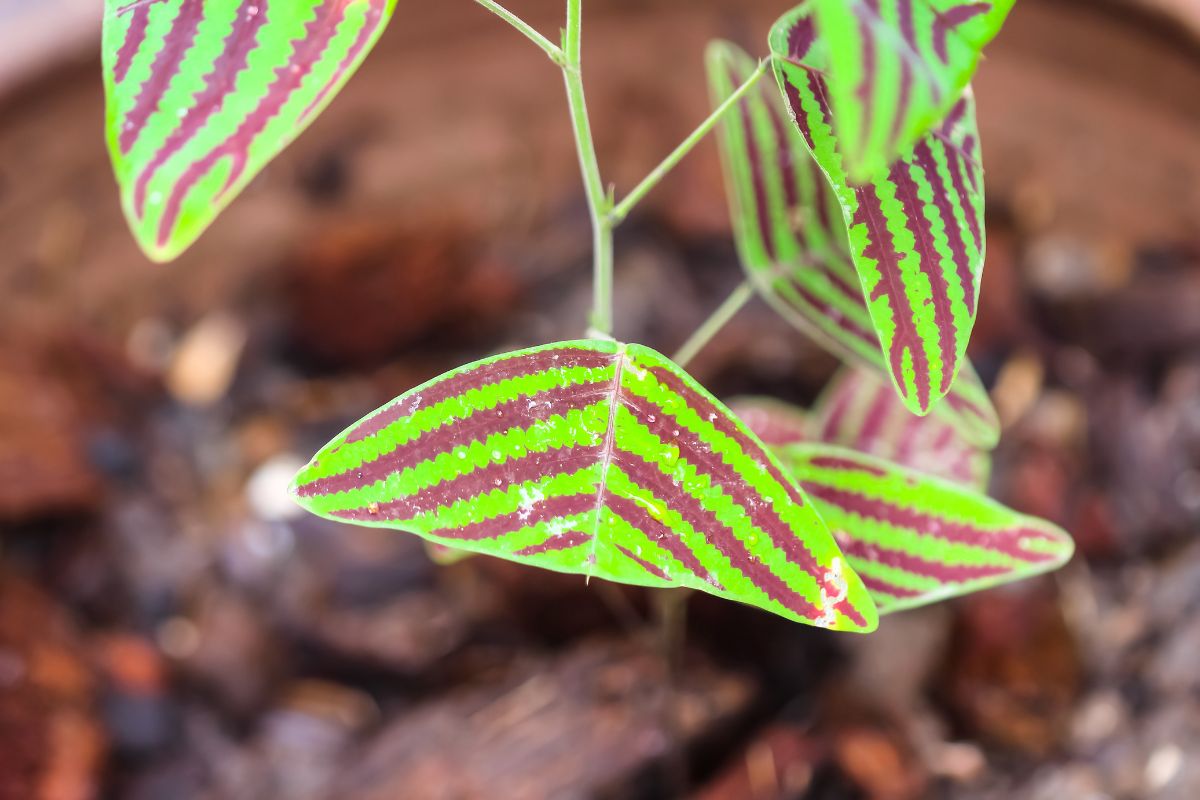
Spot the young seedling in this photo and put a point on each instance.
(857, 204)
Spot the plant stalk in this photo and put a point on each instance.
(622, 209)
(598, 200)
(716, 321)
(550, 48)
(605, 214)
(671, 611)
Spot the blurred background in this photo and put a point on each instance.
(172, 628)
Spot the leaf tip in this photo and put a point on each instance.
(1058, 545)
(845, 603)
(295, 489)
(857, 613)
(156, 248)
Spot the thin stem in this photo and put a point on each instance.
(550, 48)
(712, 326)
(622, 209)
(671, 610)
(598, 201)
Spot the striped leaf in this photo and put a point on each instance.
(915, 539)
(203, 93)
(916, 229)
(595, 458)
(860, 411)
(792, 240)
(774, 422)
(896, 67)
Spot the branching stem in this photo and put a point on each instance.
(622, 209)
(605, 214)
(550, 48)
(717, 320)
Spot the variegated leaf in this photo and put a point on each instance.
(860, 411)
(596, 458)
(792, 240)
(915, 539)
(895, 68)
(774, 422)
(916, 229)
(203, 93)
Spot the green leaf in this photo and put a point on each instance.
(859, 411)
(792, 240)
(896, 67)
(915, 539)
(203, 93)
(916, 230)
(596, 458)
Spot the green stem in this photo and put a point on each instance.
(550, 48)
(718, 320)
(671, 608)
(622, 209)
(606, 215)
(598, 201)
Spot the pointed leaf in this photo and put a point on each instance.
(916, 539)
(792, 240)
(916, 230)
(896, 67)
(203, 93)
(858, 410)
(596, 458)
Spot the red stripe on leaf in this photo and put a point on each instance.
(491, 478)
(318, 34)
(175, 46)
(726, 426)
(219, 84)
(475, 428)
(556, 542)
(637, 516)
(643, 563)
(881, 249)
(945, 22)
(878, 586)
(497, 372)
(135, 36)
(958, 248)
(1008, 542)
(721, 475)
(927, 257)
(921, 567)
(547, 510)
(374, 14)
(719, 535)
(846, 465)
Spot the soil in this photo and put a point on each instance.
(170, 627)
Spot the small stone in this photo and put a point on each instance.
(206, 360)
(1100, 716)
(267, 488)
(1163, 766)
